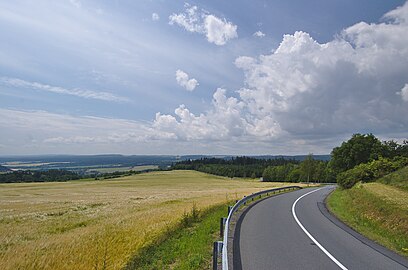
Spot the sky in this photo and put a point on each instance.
(234, 77)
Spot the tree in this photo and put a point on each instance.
(307, 169)
(361, 148)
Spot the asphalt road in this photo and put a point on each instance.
(268, 236)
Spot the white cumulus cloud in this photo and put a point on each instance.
(217, 30)
(259, 34)
(311, 91)
(155, 16)
(183, 80)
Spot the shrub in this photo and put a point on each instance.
(369, 172)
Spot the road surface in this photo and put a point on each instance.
(295, 231)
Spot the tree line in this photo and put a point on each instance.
(362, 158)
(58, 176)
(38, 176)
(234, 167)
(309, 170)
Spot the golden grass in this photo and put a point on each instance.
(97, 224)
(389, 193)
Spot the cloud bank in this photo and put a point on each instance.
(355, 83)
(217, 30)
(183, 80)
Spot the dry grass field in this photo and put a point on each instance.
(101, 224)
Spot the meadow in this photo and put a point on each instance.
(88, 224)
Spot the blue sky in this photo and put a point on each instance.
(200, 77)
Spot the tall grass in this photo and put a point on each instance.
(375, 210)
(188, 246)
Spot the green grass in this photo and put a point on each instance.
(397, 179)
(374, 215)
(188, 246)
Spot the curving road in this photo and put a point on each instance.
(295, 231)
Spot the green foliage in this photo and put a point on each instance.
(393, 149)
(361, 148)
(278, 173)
(369, 172)
(38, 176)
(235, 167)
(309, 170)
(190, 218)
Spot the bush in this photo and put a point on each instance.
(359, 173)
(369, 172)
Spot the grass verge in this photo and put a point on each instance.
(373, 215)
(397, 179)
(188, 246)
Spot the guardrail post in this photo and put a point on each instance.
(222, 223)
(215, 255)
(229, 209)
(217, 250)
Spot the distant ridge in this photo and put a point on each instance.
(75, 162)
(295, 157)
(4, 169)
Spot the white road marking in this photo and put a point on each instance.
(310, 236)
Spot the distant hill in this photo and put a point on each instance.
(83, 162)
(47, 162)
(228, 157)
(4, 169)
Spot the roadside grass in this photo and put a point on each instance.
(103, 224)
(187, 247)
(397, 179)
(375, 210)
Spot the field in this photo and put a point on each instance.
(87, 224)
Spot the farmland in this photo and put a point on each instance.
(88, 224)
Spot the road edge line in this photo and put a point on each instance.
(339, 264)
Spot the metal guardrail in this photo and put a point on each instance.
(239, 203)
